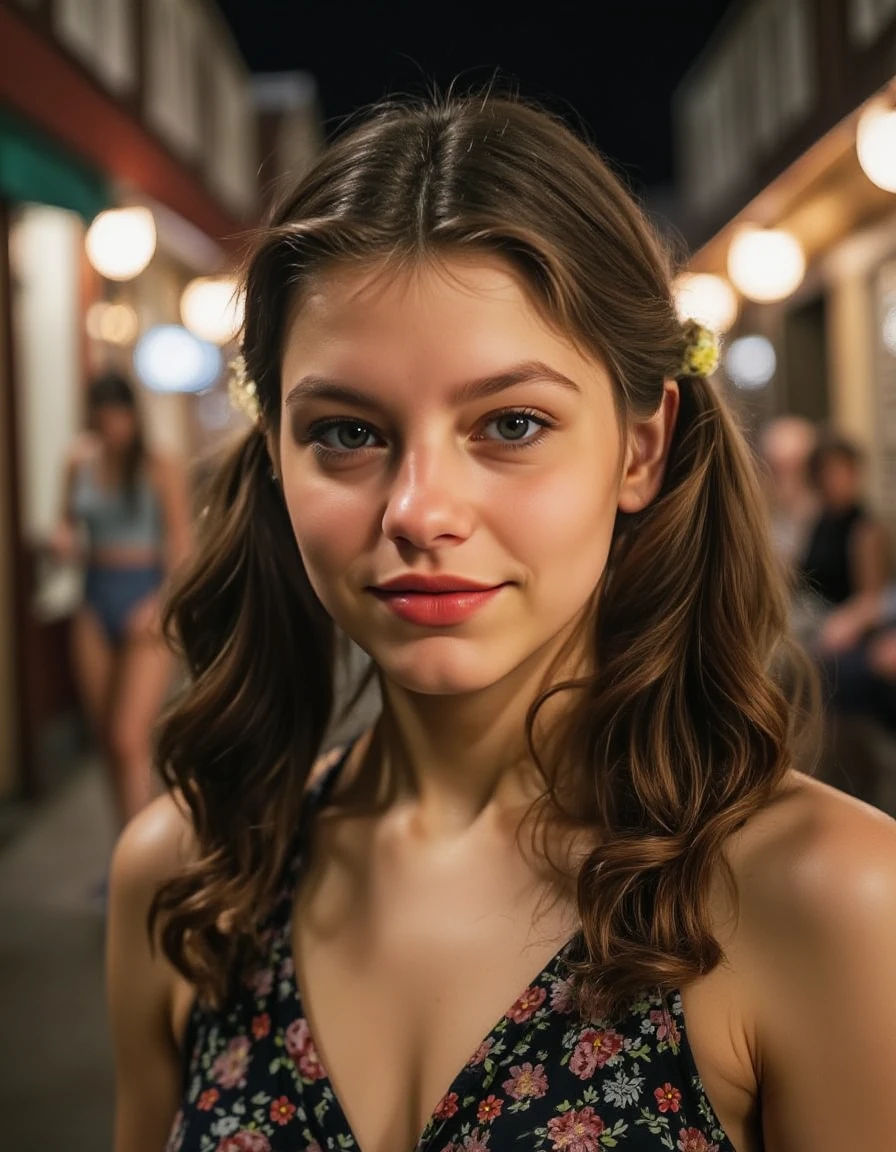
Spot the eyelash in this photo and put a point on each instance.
(320, 428)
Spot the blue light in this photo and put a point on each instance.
(168, 358)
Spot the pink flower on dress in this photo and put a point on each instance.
(668, 1098)
(446, 1107)
(526, 1080)
(576, 1131)
(229, 1069)
(692, 1140)
(297, 1037)
(476, 1142)
(562, 999)
(244, 1141)
(527, 1005)
(666, 1028)
(298, 1043)
(482, 1051)
(596, 1047)
(287, 969)
(261, 981)
(310, 1065)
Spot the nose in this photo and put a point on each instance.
(428, 503)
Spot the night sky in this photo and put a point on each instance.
(610, 63)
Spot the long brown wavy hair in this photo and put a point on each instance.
(684, 729)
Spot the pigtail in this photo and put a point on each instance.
(239, 743)
(688, 727)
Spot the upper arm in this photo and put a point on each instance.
(141, 983)
(78, 454)
(825, 993)
(174, 494)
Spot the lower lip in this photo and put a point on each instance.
(437, 609)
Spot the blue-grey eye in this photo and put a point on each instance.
(347, 435)
(514, 426)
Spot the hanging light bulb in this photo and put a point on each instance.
(212, 308)
(121, 241)
(114, 323)
(766, 263)
(876, 144)
(708, 299)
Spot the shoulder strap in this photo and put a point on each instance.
(317, 795)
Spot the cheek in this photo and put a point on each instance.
(564, 517)
(331, 525)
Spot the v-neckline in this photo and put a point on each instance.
(315, 800)
(426, 1133)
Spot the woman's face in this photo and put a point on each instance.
(452, 469)
(116, 425)
(838, 481)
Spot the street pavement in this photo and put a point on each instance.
(55, 1059)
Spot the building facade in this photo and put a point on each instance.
(766, 128)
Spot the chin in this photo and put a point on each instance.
(429, 670)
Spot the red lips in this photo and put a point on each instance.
(434, 601)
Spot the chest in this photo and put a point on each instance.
(405, 970)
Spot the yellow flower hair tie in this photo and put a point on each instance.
(243, 391)
(701, 353)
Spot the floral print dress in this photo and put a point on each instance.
(542, 1080)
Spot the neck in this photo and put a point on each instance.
(456, 758)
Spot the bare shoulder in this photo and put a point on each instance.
(813, 864)
(165, 467)
(152, 849)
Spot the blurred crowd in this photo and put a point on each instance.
(838, 558)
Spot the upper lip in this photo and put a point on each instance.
(432, 584)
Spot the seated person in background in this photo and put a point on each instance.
(848, 552)
(846, 567)
(860, 655)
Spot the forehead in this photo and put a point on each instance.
(455, 317)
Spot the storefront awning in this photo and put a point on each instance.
(35, 170)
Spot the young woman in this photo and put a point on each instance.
(134, 509)
(570, 892)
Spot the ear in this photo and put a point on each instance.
(647, 451)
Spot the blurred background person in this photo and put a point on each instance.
(126, 516)
(847, 555)
(785, 445)
(846, 567)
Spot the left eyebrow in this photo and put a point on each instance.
(530, 371)
(527, 372)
